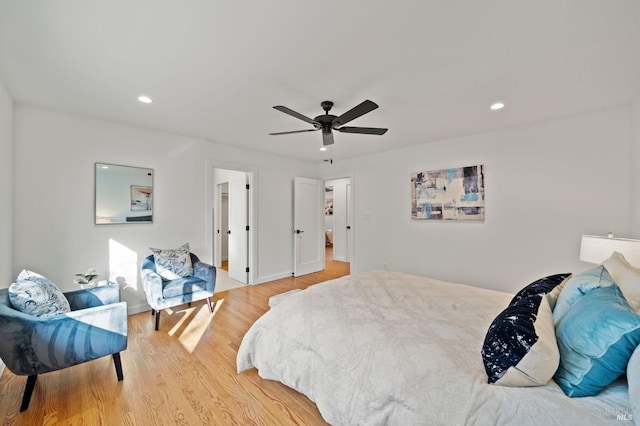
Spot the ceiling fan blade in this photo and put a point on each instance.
(363, 130)
(327, 138)
(355, 112)
(294, 131)
(297, 115)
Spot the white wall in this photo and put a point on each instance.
(634, 158)
(546, 184)
(54, 232)
(6, 190)
(6, 187)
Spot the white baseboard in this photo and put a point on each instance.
(132, 310)
(262, 280)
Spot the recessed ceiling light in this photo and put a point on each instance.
(497, 105)
(324, 148)
(144, 99)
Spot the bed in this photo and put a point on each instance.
(387, 348)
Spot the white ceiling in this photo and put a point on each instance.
(215, 68)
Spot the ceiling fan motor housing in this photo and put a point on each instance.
(326, 122)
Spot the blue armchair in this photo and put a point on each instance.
(163, 293)
(95, 327)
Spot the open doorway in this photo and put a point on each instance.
(338, 220)
(223, 189)
(232, 233)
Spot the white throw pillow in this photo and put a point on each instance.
(552, 296)
(627, 277)
(34, 294)
(633, 379)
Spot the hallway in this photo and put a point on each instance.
(333, 269)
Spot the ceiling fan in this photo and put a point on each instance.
(328, 122)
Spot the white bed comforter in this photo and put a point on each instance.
(385, 348)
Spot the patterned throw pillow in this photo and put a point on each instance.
(545, 285)
(173, 264)
(34, 294)
(520, 348)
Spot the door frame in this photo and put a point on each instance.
(212, 207)
(351, 254)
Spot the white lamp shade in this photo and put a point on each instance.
(594, 249)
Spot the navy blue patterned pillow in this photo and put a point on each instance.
(541, 286)
(520, 348)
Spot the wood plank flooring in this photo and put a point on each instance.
(183, 374)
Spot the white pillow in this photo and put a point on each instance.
(627, 277)
(552, 296)
(34, 294)
(633, 379)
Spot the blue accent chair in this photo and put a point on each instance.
(163, 293)
(95, 327)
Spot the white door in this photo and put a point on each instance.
(238, 229)
(308, 218)
(349, 225)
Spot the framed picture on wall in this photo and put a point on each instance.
(141, 198)
(448, 194)
(328, 206)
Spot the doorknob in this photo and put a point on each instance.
(299, 231)
(348, 227)
(229, 232)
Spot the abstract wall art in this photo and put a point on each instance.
(448, 194)
(141, 197)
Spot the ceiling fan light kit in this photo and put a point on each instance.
(329, 122)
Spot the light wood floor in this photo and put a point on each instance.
(183, 374)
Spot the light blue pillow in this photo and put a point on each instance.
(578, 286)
(173, 264)
(34, 294)
(596, 338)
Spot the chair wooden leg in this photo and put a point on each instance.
(153, 311)
(118, 364)
(157, 319)
(28, 390)
(209, 304)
